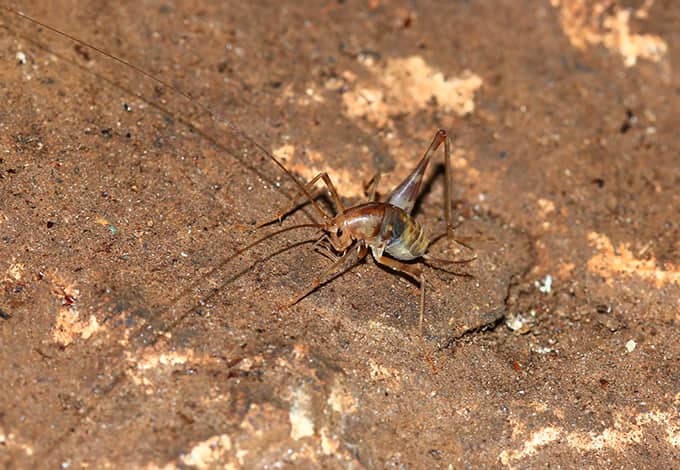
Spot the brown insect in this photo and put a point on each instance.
(387, 228)
(393, 236)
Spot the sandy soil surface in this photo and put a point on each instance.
(131, 336)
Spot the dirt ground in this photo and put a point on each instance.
(132, 336)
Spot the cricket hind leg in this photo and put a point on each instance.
(447, 187)
(442, 136)
(415, 273)
(448, 211)
(462, 241)
(405, 195)
(294, 201)
(439, 263)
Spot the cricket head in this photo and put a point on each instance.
(339, 233)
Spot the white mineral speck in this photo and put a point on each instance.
(544, 285)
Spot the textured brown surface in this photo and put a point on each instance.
(130, 337)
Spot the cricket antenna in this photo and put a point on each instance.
(273, 234)
(233, 127)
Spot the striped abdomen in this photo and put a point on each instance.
(405, 237)
(387, 228)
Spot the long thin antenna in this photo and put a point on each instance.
(273, 234)
(233, 127)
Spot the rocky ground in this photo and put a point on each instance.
(132, 336)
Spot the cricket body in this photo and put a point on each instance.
(393, 236)
(387, 227)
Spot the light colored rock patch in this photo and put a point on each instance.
(395, 87)
(147, 369)
(628, 429)
(69, 325)
(407, 85)
(346, 182)
(602, 22)
(15, 272)
(341, 400)
(212, 453)
(537, 440)
(399, 86)
(301, 422)
(10, 441)
(610, 263)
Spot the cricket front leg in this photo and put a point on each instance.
(373, 187)
(345, 262)
(307, 188)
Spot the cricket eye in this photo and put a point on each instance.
(339, 232)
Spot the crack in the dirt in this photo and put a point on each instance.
(516, 280)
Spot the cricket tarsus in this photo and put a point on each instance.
(394, 238)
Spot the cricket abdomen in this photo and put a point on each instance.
(407, 239)
(387, 228)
